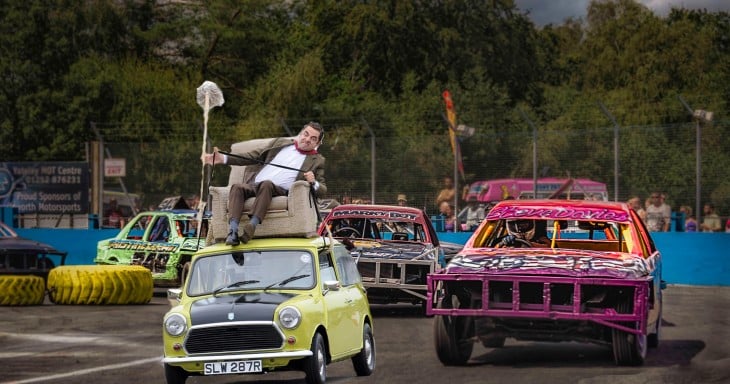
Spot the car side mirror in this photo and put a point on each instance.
(173, 296)
(331, 285)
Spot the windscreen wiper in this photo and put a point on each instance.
(236, 284)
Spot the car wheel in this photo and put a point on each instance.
(315, 366)
(628, 348)
(453, 336)
(653, 338)
(175, 375)
(364, 361)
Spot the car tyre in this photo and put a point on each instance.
(628, 348)
(175, 375)
(100, 284)
(653, 338)
(18, 290)
(453, 336)
(315, 366)
(364, 361)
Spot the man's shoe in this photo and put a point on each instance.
(232, 238)
(248, 230)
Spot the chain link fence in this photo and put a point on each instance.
(374, 163)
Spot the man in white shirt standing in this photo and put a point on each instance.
(658, 214)
(274, 170)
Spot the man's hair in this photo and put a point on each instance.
(317, 126)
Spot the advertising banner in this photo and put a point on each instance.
(46, 187)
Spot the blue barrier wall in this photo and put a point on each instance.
(694, 258)
(689, 258)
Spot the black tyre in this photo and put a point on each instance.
(364, 361)
(175, 375)
(19, 290)
(653, 338)
(628, 348)
(453, 336)
(315, 366)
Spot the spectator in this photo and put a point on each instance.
(472, 215)
(658, 214)
(402, 201)
(447, 193)
(727, 226)
(635, 203)
(690, 223)
(447, 213)
(113, 214)
(710, 220)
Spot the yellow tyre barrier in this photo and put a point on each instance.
(100, 284)
(22, 290)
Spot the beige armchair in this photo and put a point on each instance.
(294, 215)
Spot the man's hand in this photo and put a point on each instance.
(508, 241)
(208, 158)
(309, 176)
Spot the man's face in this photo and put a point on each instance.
(308, 138)
(656, 199)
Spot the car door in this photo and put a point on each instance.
(357, 304)
(338, 304)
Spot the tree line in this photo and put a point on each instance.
(127, 71)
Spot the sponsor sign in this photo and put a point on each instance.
(45, 187)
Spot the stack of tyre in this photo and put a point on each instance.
(80, 285)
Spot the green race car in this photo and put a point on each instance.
(163, 241)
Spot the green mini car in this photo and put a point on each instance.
(272, 304)
(164, 241)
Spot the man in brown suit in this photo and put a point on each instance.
(273, 170)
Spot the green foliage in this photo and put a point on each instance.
(372, 70)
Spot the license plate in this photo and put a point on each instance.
(229, 367)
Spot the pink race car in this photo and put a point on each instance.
(551, 270)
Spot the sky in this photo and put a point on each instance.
(556, 11)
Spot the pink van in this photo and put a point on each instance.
(489, 191)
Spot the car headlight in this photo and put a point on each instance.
(290, 317)
(175, 324)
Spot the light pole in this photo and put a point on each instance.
(700, 116)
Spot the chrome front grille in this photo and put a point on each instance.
(233, 338)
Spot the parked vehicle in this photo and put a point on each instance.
(21, 256)
(492, 191)
(602, 284)
(268, 305)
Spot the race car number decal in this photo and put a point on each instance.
(146, 247)
(558, 213)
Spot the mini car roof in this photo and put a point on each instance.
(586, 210)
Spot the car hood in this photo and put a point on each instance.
(560, 262)
(255, 306)
(383, 249)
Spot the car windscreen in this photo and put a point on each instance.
(251, 270)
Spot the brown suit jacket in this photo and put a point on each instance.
(253, 161)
